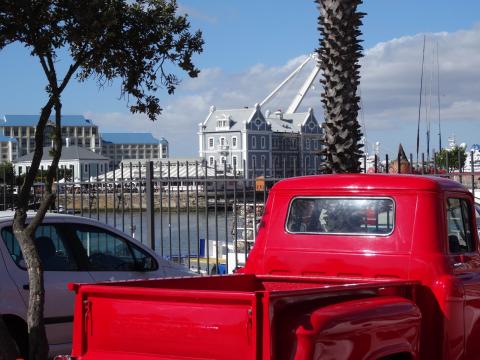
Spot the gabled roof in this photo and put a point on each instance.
(290, 122)
(68, 153)
(32, 120)
(8, 139)
(236, 117)
(131, 138)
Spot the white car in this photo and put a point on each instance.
(72, 249)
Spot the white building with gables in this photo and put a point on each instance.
(251, 142)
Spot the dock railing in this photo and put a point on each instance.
(203, 217)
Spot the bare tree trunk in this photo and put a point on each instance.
(38, 344)
(25, 234)
(8, 350)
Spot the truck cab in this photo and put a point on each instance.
(383, 227)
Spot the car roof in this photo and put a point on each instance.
(7, 215)
(348, 182)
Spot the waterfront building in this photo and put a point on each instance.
(251, 143)
(296, 143)
(8, 148)
(133, 147)
(82, 162)
(76, 130)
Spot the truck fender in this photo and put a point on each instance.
(366, 328)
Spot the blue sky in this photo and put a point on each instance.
(250, 46)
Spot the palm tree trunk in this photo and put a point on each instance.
(339, 54)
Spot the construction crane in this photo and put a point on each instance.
(303, 89)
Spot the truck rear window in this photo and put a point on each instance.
(340, 215)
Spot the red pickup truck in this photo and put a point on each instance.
(344, 267)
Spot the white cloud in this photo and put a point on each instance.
(389, 88)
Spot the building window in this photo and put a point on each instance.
(223, 160)
(234, 142)
(262, 141)
(263, 161)
(307, 144)
(254, 142)
(222, 124)
(315, 144)
(254, 161)
(85, 168)
(234, 162)
(211, 161)
(222, 141)
(20, 170)
(210, 143)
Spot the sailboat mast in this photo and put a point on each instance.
(438, 100)
(420, 104)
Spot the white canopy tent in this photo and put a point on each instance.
(165, 170)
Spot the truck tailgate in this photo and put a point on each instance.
(225, 317)
(192, 324)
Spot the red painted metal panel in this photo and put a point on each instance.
(360, 296)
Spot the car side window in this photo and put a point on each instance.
(460, 235)
(13, 247)
(109, 252)
(52, 248)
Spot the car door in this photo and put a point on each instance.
(112, 256)
(465, 256)
(60, 267)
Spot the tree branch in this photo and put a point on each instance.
(71, 70)
(47, 70)
(49, 195)
(46, 203)
(53, 75)
(22, 201)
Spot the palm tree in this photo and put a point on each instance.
(339, 54)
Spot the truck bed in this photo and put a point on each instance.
(232, 317)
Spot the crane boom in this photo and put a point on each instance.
(303, 90)
(289, 77)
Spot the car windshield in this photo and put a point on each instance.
(321, 215)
